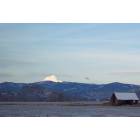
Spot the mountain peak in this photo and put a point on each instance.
(52, 78)
(115, 83)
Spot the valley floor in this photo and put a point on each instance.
(66, 109)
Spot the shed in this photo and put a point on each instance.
(119, 98)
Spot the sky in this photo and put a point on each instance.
(89, 53)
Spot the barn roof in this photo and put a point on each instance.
(126, 96)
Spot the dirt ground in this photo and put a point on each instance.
(67, 109)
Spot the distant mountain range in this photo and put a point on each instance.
(62, 91)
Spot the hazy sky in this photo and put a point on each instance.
(97, 53)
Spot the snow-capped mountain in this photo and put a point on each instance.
(52, 78)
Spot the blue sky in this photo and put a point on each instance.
(91, 53)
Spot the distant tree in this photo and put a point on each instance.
(137, 91)
(55, 96)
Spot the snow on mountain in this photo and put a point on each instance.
(52, 78)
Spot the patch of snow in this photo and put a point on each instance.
(52, 78)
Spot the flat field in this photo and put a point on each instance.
(67, 109)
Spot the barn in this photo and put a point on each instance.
(120, 98)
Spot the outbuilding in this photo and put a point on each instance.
(120, 98)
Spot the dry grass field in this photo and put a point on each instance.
(66, 109)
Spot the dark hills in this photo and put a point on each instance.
(64, 91)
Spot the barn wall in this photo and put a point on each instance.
(115, 101)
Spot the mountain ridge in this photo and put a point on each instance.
(62, 91)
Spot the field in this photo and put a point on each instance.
(66, 109)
